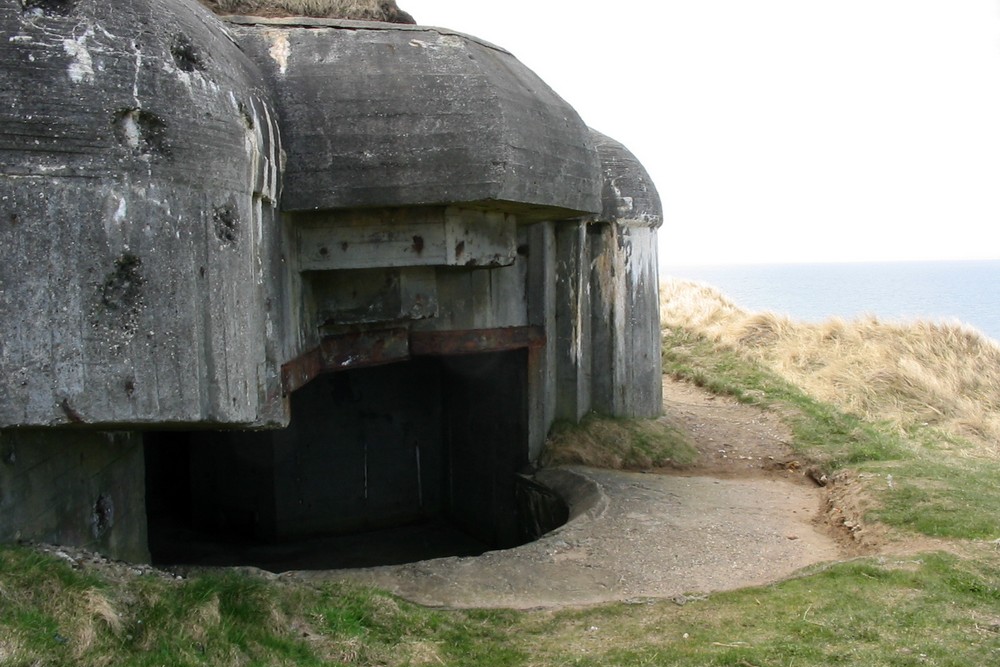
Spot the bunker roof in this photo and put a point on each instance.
(628, 193)
(379, 114)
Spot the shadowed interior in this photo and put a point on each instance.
(380, 465)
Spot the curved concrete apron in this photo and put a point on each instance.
(631, 536)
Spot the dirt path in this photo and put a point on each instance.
(745, 515)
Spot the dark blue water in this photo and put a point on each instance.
(896, 291)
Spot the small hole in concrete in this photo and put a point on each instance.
(141, 131)
(122, 288)
(246, 115)
(49, 7)
(186, 55)
(102, 519)
(7, 453)
(227, 221)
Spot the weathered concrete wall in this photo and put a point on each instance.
(572, 323)
(413, 116)
(541, 285)
(624, 287)
(71, 487)
(627, 367)
(138, 179)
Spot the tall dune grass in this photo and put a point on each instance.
(944, 375)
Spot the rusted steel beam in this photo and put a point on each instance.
(471, 341)
(298, 372)
(384, 346)
(365, 348)
(345, 351)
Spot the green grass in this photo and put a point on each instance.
(931, 609)
(822, 432)
(229, 618)
(934, 609)
(957, 499)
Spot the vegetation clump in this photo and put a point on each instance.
(357, 10)
(619, 444)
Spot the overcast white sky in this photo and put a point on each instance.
(782, 130)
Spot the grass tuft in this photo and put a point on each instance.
(618, 443)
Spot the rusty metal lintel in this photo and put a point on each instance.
(372, 348)
(471, 341)
(298, 372)
(365, 348)
(345, 351)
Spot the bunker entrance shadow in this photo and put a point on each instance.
(382, 465)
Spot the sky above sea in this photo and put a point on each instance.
(967, 291)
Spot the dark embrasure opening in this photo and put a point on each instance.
(381, 465)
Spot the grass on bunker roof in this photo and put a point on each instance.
(362, 10)
(940, 607)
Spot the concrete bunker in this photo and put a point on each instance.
(301, 277)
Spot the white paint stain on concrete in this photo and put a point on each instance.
(280, 50)
(81, 66)
(121, 211)
(130, 128)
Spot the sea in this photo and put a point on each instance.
(944, 291)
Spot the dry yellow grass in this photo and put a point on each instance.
(946, 375)
(94, 612)
(359, 10)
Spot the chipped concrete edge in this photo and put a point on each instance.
(584, 496)
(344, 24)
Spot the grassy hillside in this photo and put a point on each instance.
(913, 375)
(907, 410)
(913, 409)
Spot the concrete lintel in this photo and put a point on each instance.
(370, 296)
(384, 238)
